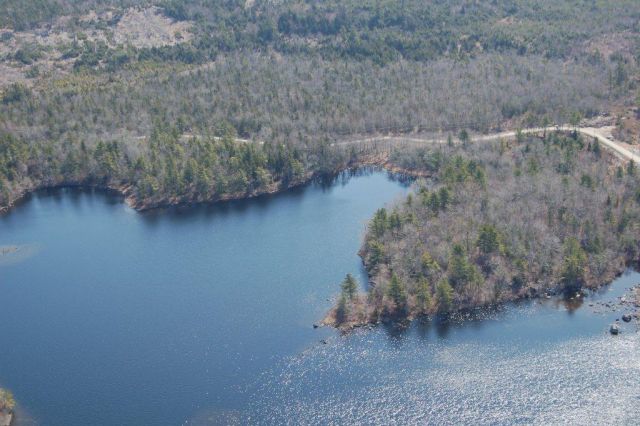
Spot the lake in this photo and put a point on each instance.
(203, 315)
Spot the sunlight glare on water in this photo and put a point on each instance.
(367, 378)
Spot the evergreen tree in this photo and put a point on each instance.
(429, 265)
(464, 137)
(423, 295)
(376, 254)
(380, 222)
(397, 293)
(462, 272)
(631, 168)
(349, 287)
(434, 203)
(596, 148)
(444, 197)
(444, 296)
(395, 222)
(342, 310)
(573, 264)
(489, 239)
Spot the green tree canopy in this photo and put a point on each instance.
(574, 263)
(397, 293)
(444, 296)
(489, 239)
(349, 287)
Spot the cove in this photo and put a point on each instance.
(122, 317)
(202, 315)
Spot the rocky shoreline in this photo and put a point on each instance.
(628, 306)
(7, 405)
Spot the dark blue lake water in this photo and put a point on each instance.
(204, 315)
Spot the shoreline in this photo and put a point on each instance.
(360, 303)
(380, 160)
(7, 407)
(125, 190)
(371, 306)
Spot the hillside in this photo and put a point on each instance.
(137, 95)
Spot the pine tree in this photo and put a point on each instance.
(342, 310)
(429, 264)
(596, 148)
(380, 222)
(464, 137)
(423, 295)
(489, 239)
(461, 271)
(349, 287)
(434, 203)
(631, 168)
(397, 293)
(395, 222)
(444, 296)
(574, 263)
(376, 254)
(444, 197)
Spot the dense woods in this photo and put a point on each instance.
(296, 105)
(497, 222)
(382, 31)
(248, 97)
(169, 169)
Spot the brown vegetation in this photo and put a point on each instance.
(499, 221)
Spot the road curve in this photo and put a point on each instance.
(593, 132)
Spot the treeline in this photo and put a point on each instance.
(203, 169)
(304, 104)
(22, 15)
(294, 76)
(381, 31)
(303, 100)
(166, 168)
(497, 222)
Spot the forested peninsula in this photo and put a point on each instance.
(547, 214)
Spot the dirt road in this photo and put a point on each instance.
(600, 133)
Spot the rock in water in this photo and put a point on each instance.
(614, 329)
(626, 317)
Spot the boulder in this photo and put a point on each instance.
(614, 329)
(626, 317)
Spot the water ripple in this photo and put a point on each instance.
(355, 380)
